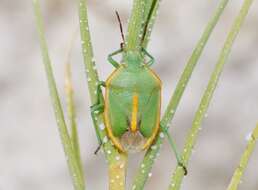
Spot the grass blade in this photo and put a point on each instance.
(117, 162)
(236, 179)
(72, 117)
(206, 99)
(78, 180)
(133, 40)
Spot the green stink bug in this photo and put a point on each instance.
(132, 101)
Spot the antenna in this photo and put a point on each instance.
(154, 3)
(121, 29)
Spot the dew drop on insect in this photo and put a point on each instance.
(117, 158)
(134, 187)
(102, 127)
(109, 151)
(206, 115)
(112, 181)
(117, 177)
(172, 185)
(82, 42)
(150, 174)
(143, 171)
(142, 166)
(89, 79)
(185, 150)
(248, 136)
(161, 135)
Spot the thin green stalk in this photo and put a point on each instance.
(117, 162)
(153, 15)
(78, 180)
(148, 160)
(133, 39)
(236, 179)
(72, 117)
(202, 109)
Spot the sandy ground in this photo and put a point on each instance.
(31, 155)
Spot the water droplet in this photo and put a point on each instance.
(102, 127)
(142, 165)
(105, 139)
(248, 136)
(117, 177)
(112, 181)
(143, 171)
(117, 158)
(154, 147)
(150, 174)
(134, 187)
(161, 135)
(121, 166)
(109, 151)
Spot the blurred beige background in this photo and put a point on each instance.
(31, 155)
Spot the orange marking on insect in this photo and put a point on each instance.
(134, 113)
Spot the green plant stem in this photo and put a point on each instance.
(72, 117)
(148, 6)
(114, 158)
(236, 179)
(148, 160)
(78, 180)
(133, 39)
(205, 101)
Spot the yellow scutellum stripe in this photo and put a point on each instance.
(134, 113)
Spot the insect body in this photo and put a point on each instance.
(132, 101)
(132, 104)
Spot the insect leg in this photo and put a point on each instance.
(173, 146)
(152, 60)
(96, 109)
(112, 61)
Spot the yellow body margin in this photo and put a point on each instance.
(156, 130)
(106, 118)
